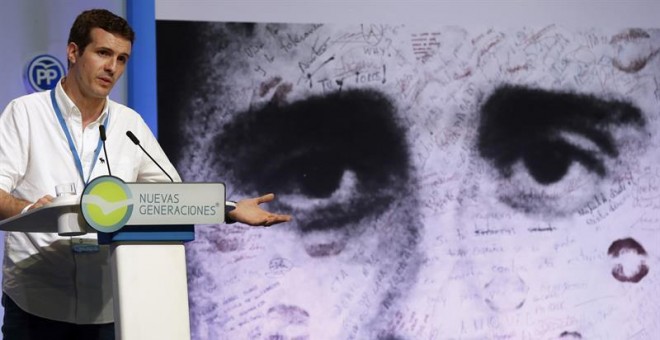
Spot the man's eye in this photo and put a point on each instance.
(538, 139)
(342, 154)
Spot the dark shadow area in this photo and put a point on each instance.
(176, 57)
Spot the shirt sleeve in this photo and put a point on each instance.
(14, 145)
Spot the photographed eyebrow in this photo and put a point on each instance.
(305, 147)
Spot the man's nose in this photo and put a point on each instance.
(111, 66)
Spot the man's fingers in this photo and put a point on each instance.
(41, 202)
(275, 219)
(36, 205)
(45, 200)
(265, 198)
(284, 218)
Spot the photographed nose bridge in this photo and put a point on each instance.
(434, 286)
(469, 272)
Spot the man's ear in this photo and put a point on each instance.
(72, 53)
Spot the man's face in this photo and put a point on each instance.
(100, 65)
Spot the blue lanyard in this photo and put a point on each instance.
(72, 146)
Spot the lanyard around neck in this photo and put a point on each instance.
(72, 146)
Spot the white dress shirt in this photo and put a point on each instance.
(41, 272)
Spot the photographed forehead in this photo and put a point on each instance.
(446, 65)
(101, 38)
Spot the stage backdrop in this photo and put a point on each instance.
(475, 180)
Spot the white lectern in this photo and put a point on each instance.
(145, 225)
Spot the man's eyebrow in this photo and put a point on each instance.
(110, 49)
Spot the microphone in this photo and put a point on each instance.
(137, 142)
(103, 137)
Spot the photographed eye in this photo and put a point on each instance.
(548, 145)
(331, 159)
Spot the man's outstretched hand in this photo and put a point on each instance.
(249, 212)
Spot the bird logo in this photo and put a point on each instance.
(106, 204)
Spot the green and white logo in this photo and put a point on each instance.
(106, 204)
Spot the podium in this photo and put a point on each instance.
(145, 226)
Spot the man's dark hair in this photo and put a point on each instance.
(101, 18)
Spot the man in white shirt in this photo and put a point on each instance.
(51, 288)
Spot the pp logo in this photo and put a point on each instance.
(106, 204)
(43, 72)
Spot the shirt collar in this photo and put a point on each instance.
(67, 106)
